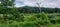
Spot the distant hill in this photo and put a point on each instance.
(28, 9)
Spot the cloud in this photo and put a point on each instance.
(44, 3)
(50, 3)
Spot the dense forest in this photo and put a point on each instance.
(27, 16)
(28, 9)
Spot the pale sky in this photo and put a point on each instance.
(43, 3)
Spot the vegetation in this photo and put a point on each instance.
(27, 16)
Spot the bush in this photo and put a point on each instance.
(58, 21)
(53, 21)
(42, 18)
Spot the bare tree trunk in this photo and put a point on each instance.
(38, 4)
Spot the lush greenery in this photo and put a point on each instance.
(28, 9)
(28, 20)
(27, 16)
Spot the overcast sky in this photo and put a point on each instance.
(44, 3)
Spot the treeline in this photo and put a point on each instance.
(28, 9)
(51, 10)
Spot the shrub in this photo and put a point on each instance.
(58, 21)
(53, 21)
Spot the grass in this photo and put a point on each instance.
(53, 25)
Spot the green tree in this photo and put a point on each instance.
(6, 5)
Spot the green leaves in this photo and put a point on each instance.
(7, 3)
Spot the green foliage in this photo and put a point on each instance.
(12, 17)
(6, 3)
(34, 20)
(28, 9)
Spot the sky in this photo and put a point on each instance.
(42, 3)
